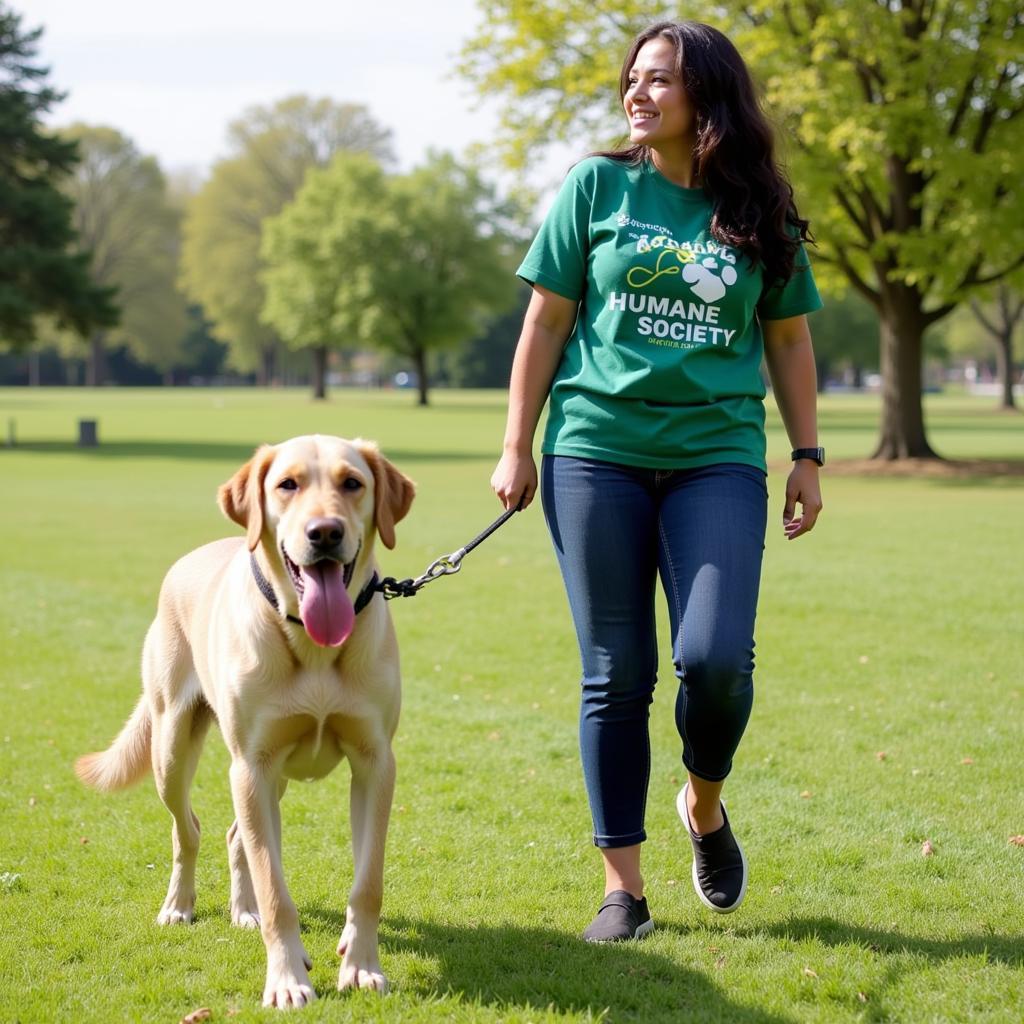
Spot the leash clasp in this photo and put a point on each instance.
(446, 565)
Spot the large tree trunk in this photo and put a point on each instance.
(96, 367)
(902, 349)
(319, 371)
(1004, 365)
(420, 356)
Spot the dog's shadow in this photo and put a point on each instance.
(538, 969)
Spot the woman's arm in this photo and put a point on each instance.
(790, 358)
(548, 321)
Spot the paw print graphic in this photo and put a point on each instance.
(706, 281)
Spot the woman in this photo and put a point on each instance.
(660, 276)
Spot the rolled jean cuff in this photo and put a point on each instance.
(613, 842)
(707, 776)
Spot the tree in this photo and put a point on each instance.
(845, 339)
(320, 252)
(486, 360)
(448, 269)
(410, 263)
(985, 330)
(40, 274)
(1001, 319)
(904, 117)
(272, 148)
(125, 221)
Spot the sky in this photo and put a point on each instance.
(172, 75)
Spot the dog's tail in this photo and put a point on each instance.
(128, 757)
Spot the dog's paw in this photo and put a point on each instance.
(287, 994)
(175, 915)
(360, 967)
(369, 977)
(245, 919)
(287, 989)
(288, 983)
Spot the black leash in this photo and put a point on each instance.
(446, 565)
(389, 586)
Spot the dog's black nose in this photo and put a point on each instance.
(325, 532)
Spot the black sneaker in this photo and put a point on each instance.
(621, 917)
(719, 867)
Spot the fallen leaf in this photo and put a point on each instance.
(810, 973)
(84, 840)
(776, 889)
(881, 755)
(806, 794)
(927, 849)
(1017, 840)
(967, 760)
(494, 736)
(203, 1013)
(31, 801)
(863, 998)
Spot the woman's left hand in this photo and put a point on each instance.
(803, 489)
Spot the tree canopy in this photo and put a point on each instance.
(903, 131)
(409, 263)
(272, 148)
(131, 232)
(40, 274)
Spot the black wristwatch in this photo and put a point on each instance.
(814, 454)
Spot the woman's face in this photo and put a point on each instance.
(658, 109)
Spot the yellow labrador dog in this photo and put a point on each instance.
(283, 639)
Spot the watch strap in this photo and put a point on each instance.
(814, 454)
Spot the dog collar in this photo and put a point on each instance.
(364, 598)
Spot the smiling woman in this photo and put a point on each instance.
(654, 452)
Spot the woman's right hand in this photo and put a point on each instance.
(515, 477)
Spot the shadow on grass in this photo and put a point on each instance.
(534, 969)
(1003, 949)
(214, 451)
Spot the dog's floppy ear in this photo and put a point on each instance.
(393, 492)
(241, 498)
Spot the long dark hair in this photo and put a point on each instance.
(734, 156)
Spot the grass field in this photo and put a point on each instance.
(889, 708)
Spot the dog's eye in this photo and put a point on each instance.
(352, 484)
(288, 484)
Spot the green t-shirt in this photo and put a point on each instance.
(662, 369)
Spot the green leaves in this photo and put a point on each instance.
(274, 148)
(131, 231)
(407, 263)
(39, 274)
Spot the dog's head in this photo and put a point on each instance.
(315, 504)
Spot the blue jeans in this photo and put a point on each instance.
(615, 530)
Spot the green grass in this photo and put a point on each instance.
(896, 629)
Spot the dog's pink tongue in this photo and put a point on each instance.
(326, 608)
